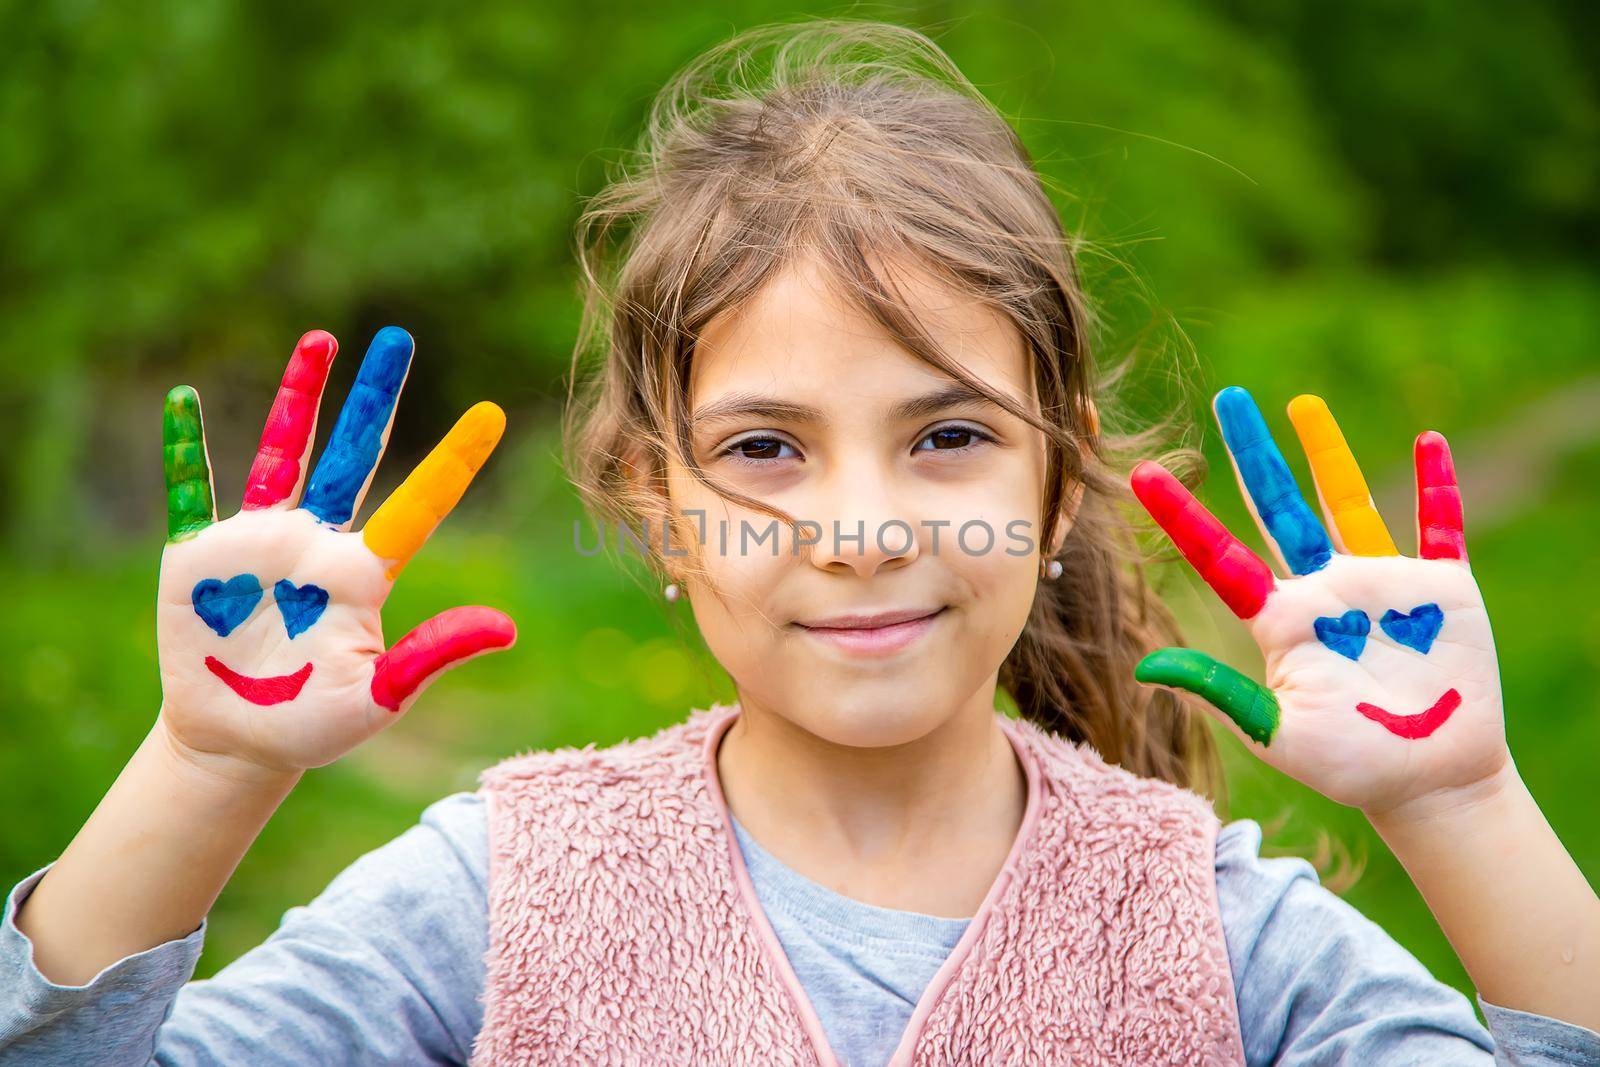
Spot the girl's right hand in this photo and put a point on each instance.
(270, 641)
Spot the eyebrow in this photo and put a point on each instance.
(755, 405)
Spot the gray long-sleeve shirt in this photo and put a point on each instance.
(386, 965)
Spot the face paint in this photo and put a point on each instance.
(408, 518)
(300, 605)
(1346, 635)
(279, 527)
(1239, 577)
(276, 471)
(1439, 525)
(1318, 650)
(460, 634)
(1416, 628)
(1414, 727)
(224, 605)
(358, 436)
(1269, 484)
(1340, 484)
(263, 691)
(190, 503)
(1247, 702)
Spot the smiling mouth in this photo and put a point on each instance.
(263, 691)
(888, 637)
(1412, 727)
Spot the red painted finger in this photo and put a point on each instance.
(1238, 575)
(1440, 534)
(449, 638)
(280, 463)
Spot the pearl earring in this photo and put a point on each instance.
(1052, 570)
(671, 591)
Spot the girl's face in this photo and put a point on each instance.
(920, 503)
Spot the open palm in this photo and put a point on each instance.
(1381, 678)
(268, 622)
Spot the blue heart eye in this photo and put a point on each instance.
(1416, 628)
(1346, 635)
(224, 605)
(301, 605)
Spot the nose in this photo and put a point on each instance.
(863, 528)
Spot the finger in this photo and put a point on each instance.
(1251, 705)
(280, 463)
(191, 498)
(447, 639)
(1440, 533)
(413, 511)
(1269, 488)
(1346, 500)
(361, 433)
(1240, 577)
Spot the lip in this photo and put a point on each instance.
(262, 691)
(864, 621)
(878, 634)
(1413, 727)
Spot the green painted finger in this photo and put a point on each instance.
(190, 504)
(1247, 702)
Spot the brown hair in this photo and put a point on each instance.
(862, 144)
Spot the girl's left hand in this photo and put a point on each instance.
(1382, 685)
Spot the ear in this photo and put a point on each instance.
(1069, 514)
(641, 478)
(652, 490)
(1064, 521)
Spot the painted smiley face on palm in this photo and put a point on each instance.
(1416, 629)
(1339, 655)
(224, 605)
(1368, 653)
(283, 599)
(272, 606)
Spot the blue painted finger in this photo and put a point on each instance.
(1267, 478)
(333, 492)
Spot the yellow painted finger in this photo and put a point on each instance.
(415, 509)
(1339, 482)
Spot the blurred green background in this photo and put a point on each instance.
(1390, 205)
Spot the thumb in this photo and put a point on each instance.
(1250, 705)
(433, 646)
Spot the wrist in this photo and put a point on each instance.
(217, 772)
(1442, 811)
(1520, 915)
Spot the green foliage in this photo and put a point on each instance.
(1389, 205)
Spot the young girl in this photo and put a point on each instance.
(846, 368)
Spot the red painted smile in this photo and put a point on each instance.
(263, 691)
(1414, 726)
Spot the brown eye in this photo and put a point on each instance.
(754, 451)
(954, 438)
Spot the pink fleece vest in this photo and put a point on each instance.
(623, 927)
